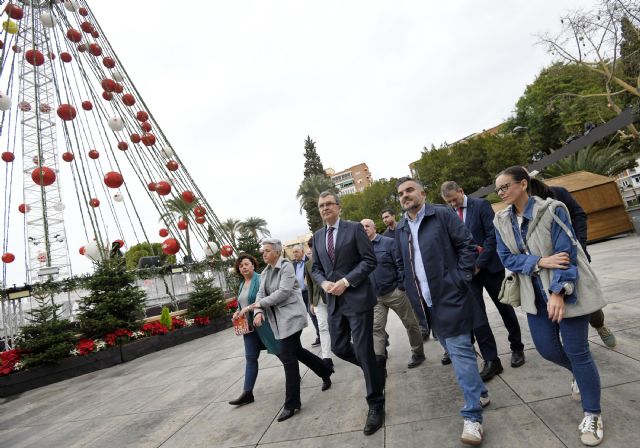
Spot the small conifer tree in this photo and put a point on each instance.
(165, 318)
(206, 299)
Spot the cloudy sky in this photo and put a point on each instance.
(237, 86)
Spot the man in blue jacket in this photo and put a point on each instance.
(438, 256)
(477, 216)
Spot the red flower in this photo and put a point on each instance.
(178, 323)
(85, 346)
(232, 306)
(8, 361)
(120, 336)
(154, 328)
(202, 320)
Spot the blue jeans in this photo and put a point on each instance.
(572, 352)
(463, 358)
(252, 347)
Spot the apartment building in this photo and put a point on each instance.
(352, 180)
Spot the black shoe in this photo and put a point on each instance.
(245, 398)
(375, 419)
(329, 363)
(445, 359)
(287, 414)
(517, 358)
(491, 369)
(425, 336)
(415, 361)
(316, 342)
(326, 384)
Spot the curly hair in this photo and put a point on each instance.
(245, 256)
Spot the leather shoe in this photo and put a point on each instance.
(375, 419)
(329, 363)
(245, 398)
(326, 383)
(415, 361)
(517, 358)
(491, 369)
(425, 336)
(445, 359)
(316, 342)
(287, 414)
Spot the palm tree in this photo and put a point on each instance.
(232, 227)
(181, 208)
(308, 194)
(605, 160)
(254, 225)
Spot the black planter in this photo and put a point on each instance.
(67, 368)
(144, 346)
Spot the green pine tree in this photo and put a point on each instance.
(312, 162)
(114, 302)
(48, 337)
(630, 50)
(206, 299)
(249, 244)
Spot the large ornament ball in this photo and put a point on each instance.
(5, 102)
(123, 146)
(211, 249)
(226, 251)
(8, 157)
(108, 62)
(151, 186)
(201, 219)
(86, 105)
(163, 188)
(14, 11)
(135, 138)
(146, 126)
(92, 251)
(10, 27)
(66, 57)
(45, 108)
(182, 224)
(82, 48)
(94, 34)
(172, 165)
(119, 88)
(24, 106)
(86, 27)
(170, 246)
(47, 20)
(24, 208)
(142, 116)
(168, 152)
(163, 233)
(58, 206)
(82, 250)
(67, 156)
(199, 211)
(83, 12)
(71, 5)
(93, 154)
(67, 112)
(118, 197)
(42, 256)
(74, 35)
(95, 49)
(117, 76)
(128, 99)
(94, 202)
(43, 176)
(108, 85)
(188, 196)
(148, 139)
(113, 179)
(107, 96)
(8, 257)
(34, 57)
(116, 124)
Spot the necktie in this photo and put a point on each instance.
(330, 246)
(460, 213)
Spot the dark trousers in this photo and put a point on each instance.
(291, 351)
(423, 321)
(345, 326)
(314, 319)
(491, 281)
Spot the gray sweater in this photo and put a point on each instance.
(280, 297)
(588, 291)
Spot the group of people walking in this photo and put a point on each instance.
(430, 268)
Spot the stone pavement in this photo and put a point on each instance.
(178, 397)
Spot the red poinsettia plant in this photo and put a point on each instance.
(118, 337)
(232, 306)
(154, 328)
(178, 323)
(85, 346)
(201, 320)
(8, 360)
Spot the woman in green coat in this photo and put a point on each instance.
(261, 338)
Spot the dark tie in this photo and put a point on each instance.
(330, 246)
(460, 213)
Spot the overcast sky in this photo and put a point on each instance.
(237, 86)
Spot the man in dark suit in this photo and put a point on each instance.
(438, 256)
(477, 216)
(343, 258)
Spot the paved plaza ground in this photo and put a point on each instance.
(178, 397)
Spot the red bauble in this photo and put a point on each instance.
(119, 88)
(17, 48)
(148, 139)
(182, 224)
(93, 154)
(163, 188)
(172, 165)
(8, 257)
(67, 156)
(201, 219)
(135, 138)
(151, 186)
(83, 12)
(199, 211)
(113, 179)
(94, 202)
(86, 105)
(226, 251)
(74, 35)
(24, 208)
(107, 96)
(109, 85)
(95, 49)
(43, 176)
(123, 146)
(52, 56)
(170, 246)
(82, 48)
(14, 11)
(108, 62)
(65, 57)
(8, 156)
(34, 57)
(81, 250)
(120, 243)
(128, 99)
(163, 233)
(142, 116)
(86, 27)
(67, 112)
(146, 126)
(188, 196)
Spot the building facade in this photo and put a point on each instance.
(629, 183)
(352, 180)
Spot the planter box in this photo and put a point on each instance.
(67, 368)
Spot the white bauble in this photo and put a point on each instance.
(117, 76)
(47, 20)
(211, 249)
(118, 197)
(168, 152)
(71, 5)
(5, 102)
(59, 206)
(116, 124)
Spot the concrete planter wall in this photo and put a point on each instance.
(19, 382)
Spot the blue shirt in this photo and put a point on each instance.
(387, 274)
(298, 266)
(421, 274)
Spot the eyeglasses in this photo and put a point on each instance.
(503, 188)
(326, 205)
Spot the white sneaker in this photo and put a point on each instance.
(472, 433)
(484, 401)
(591, 430)
(575, 392)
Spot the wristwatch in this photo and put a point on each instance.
(567, 289)
(345, 281)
